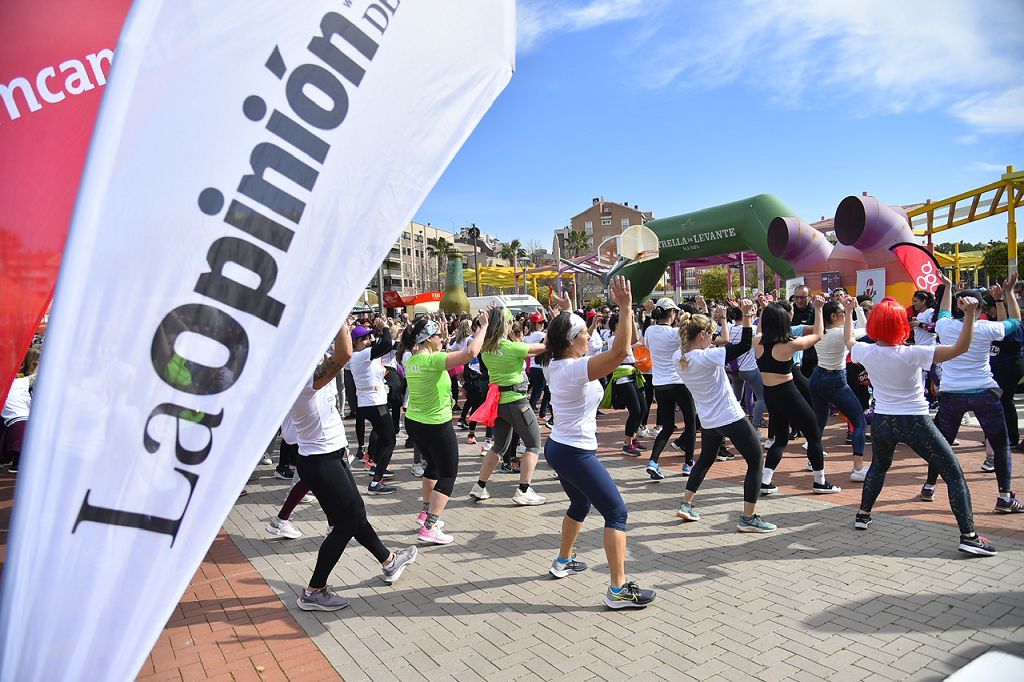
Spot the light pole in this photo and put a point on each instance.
(474, 233)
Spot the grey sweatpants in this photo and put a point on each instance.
(518, 417)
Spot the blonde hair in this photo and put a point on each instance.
(690, 326)
(499, 321)
(464, 331)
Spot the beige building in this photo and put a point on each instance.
(603, 221)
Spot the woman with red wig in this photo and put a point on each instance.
(901, 410)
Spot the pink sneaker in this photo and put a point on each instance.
(434, 535)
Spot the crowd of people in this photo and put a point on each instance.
(754, 374)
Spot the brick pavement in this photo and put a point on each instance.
(816, 600)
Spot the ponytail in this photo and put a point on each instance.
(690, 325)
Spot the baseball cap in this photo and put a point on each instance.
(360, 331)
(666, 304)
(590, 315)
(536, 317)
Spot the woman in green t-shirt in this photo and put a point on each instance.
(506, 363)
(428, 419)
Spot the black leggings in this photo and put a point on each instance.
(330, 479)
(440, 449)
(648, 399)
(787, 408)
(743, 436)
(804, 387)
(476, 392)
(669, 397)
(539, 390)
(628, 395)
(1007, 374)
(382, 440)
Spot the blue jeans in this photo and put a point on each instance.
(920, 433)
(830, 387)
(585, 480)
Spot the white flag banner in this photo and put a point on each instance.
(252, 165)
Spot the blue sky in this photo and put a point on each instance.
(677, 106)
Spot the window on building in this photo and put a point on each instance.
(589, 227)
(606, 221)
(625, 223)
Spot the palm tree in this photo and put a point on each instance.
(513, 251)
(439, 247)
(577, 243)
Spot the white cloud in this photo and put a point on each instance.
(993, 113)
(868, 56)
(985, 167)
(538, 19)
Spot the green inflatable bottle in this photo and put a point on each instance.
(454, 299)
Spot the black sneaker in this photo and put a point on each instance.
(462, 425)
(849, 438)
(629, 597)
(769, 488)
(825, 488)
(381, 488)
(977, 545)
(408, 443)
(725, 454)
(862, 521)
(572, 567)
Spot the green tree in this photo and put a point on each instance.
(994, 257)
(577, 243)
(439, 248)
(714, 285)
(512, 252)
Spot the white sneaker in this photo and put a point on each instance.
(769, 443)
(645, 433)
(810, 467)
(418, 469)
(859, 474)
(520, 449)
(529, 498)
(485, 445)
(266, 459)
(307, 499)
(434, 536)
(283, 529)
(479, 493)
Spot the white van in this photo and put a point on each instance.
(517, 303)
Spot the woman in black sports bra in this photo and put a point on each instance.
(774, 347)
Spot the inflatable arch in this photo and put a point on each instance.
(864, 226)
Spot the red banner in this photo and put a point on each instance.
(54, 61)
(919, 263)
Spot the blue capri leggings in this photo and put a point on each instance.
(585, 480)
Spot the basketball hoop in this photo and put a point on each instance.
(638, 244)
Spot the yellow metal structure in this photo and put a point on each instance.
(502, 277)
(1003, 196)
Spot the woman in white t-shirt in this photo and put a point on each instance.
(367, 367)
(662, 341)
(901, 411)
(540, 396)
(701, 366)
(968, 385)
(571, 449)
(923, 324)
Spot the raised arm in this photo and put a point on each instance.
(735, 350)
(604, 363)
(817, 331)
(329, 367)
(848, 322)
(472, 349)
(946, 304)
(970, 307)
(1012, 305)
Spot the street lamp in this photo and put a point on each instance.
(474, 233)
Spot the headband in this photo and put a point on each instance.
(576, 325)
(429, 329)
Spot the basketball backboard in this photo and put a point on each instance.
(638, 244)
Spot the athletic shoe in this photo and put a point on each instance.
(977, 545)
(687, 512)
(422, 518)
(725, 455)
(462, 425)
(486, 445)
(849, 438)
(570, 567)
(283, 528)
(825, 488)
(381, 488)
(402, 559)
(645, 433)
(550, 422)
(323, 600)
(266, 459)
(638, 445)
(408, 443)
(654, 471)
(349, 457)
(1009, 505)
(388, 474)
(629, 596)
(862, 521)
(417, 469)
(283, 475)
(754, 524)
(1019, 447)
(434, 536)
(988, 466)
(12, 468)
(859, 474)
(769, 488)
(632, 450)
(687, 468)
(529, 498)
(927, 494)
(956, 443)
(520, 449)
(675, 446)
(810, 467)
(769, 443)
(506, 467)
(307, 499)
(478, 493)
(657, 429)
(471, 439)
